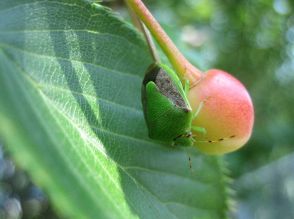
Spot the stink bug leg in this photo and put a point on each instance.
(198, 109)
(200, 130)
(187, 87)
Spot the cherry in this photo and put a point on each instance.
(226, 114)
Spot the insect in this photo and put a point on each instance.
(167, 111)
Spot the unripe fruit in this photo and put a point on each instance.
(227, 113)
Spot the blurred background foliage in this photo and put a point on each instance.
(253, 40)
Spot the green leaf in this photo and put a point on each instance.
(269, 187)
(71, 114)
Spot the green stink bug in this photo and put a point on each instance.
(167, 111)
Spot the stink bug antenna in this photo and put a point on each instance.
(190, 162)
(189, 155)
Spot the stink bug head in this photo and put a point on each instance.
(167, 111)
(185, 139)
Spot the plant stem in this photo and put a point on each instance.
(142, 28)
(184, 69)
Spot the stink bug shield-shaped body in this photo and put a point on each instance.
(167, 111)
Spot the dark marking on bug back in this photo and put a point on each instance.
(165, 85)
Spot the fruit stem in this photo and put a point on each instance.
(142, 28)
(184, 69)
